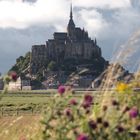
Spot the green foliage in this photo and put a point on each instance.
(52, 66)
(92, 64)
(7, 79)
(22, 64)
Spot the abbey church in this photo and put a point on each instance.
(75, 43)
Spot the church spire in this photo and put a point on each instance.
(71, 22)
(71, 12)
(71, 25)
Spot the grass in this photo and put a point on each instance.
(28, 102)
(20, 127)
(25, 103)
(25, 124)
(23, 99)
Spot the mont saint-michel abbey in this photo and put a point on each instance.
(75, 43)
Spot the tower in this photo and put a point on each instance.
(71, 25)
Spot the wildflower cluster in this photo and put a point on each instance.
(86, 118)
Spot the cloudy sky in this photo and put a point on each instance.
(24, 23)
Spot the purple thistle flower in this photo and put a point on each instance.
(138, 127)
(13, 76)
(82, 137)
(99, 120)
(120, 129)
(68, 112)
(133, 112)
(88, 100)
(86, 105)
(61, 90)
(92, 124)
(115, 103)
(73, 102)
(105, 124)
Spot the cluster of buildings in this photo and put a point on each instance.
(19, 84)
(75, 43)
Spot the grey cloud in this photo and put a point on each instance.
(32, 1)
(16, 42)
(136, 4)
(121, 23)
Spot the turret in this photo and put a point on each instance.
(95, 41)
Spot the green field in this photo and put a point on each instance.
(32, 102)
(21, 113)
(21, 103)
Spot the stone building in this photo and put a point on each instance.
(75, 43)
(14, 86)
(20, 84)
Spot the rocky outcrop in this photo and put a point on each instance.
(113, 74)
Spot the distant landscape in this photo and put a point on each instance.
(62, 86)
